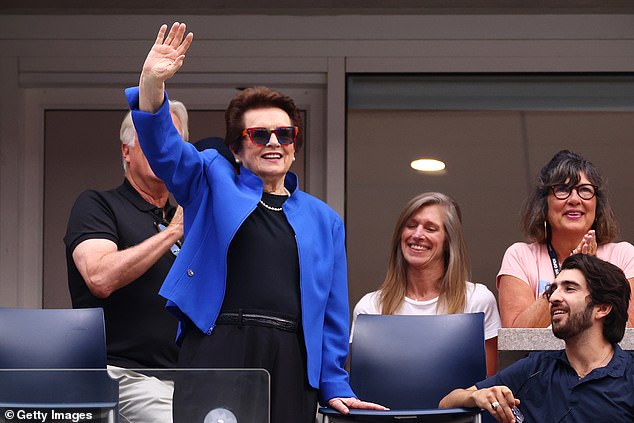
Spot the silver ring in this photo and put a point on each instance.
(495, 405)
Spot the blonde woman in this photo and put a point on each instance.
(428, 270)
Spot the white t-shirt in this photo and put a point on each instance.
(479, 299)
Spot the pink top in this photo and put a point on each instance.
(531, 263)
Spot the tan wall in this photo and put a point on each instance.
(488, 156)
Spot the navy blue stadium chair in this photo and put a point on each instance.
(55, 360)
(52, 339)
(409, 363)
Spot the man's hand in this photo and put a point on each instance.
(106, 269)
(497, 400)
(176, 224)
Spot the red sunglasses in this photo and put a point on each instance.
(261, 136)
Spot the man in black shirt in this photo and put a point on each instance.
(120, 244)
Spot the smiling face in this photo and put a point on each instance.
(270, 162)
(573, 215)
(571, 310)
(423, 237)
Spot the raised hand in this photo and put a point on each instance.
(162, 62)
(588, 245)
(167, 54)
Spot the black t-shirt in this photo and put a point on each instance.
(139, 331)
(263, 264)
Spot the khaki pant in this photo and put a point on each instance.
(142, 399)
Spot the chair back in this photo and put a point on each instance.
(412, 362)
(52, 338)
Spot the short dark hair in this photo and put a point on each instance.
(607, 285)
(257, 98)
(563, 166)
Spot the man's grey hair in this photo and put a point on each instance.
(127, 134)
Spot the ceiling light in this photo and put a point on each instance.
(428, 165)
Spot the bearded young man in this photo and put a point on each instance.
(592, 379)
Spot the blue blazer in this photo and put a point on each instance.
(216, 201)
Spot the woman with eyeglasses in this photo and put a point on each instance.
(568, 212)
(428, 270)
(261, 279)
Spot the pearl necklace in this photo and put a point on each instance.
(275, 209)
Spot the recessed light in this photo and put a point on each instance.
(428, 165)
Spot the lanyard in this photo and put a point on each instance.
(553, 259)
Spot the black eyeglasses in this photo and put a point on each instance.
(584, 191)
(176, 247)
(262, 136)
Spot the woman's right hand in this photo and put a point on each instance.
(343, 405)
(162, 62)
(588, 244)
